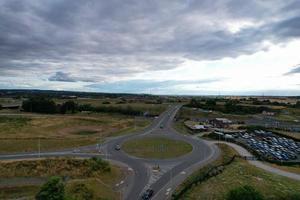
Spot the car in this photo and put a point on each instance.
(117, 147)
(76, 151)
(161, 126)
(147, 194)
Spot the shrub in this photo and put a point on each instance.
(80, 192)
(53, 189)
(244, 193)
(97, 163)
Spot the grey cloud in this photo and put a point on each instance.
(121, 38)
(295, 70)
(61, 76)
(67, 77)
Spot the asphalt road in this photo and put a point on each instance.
(173, 171)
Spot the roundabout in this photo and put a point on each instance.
(156, 147)
(157, 157)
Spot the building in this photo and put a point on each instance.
(268, 113)
(195, 127)
(220, 122)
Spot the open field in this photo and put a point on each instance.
(22, 133)
(100, 183)
(156, 147)
(241, 173)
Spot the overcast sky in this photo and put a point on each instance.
(151, 46)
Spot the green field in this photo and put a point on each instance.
(100, 183)
(26, 132)
(156, 147)
(239, 173)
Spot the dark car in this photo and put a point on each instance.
(117, 147)
(147, 194)
(161, 126)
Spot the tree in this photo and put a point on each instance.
(68, 106)
(244, 193)
(297, 105)
(211, 102)
(53, 189)
(39, 105)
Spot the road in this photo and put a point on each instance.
(172, 171)
(243, 152)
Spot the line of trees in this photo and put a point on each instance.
(48, 106)
(231, 107)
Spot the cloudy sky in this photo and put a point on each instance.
(151, 46)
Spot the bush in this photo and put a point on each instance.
(80, 192)
(97, 163)
(53, 189)
(244, 193)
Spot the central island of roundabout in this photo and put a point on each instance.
(156, 147)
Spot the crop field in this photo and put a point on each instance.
(22, 133)
(239, 173)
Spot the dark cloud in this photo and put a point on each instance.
(121, 38)
(61, 76)
(67, 77)
(295, 70)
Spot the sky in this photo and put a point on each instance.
(179, 47)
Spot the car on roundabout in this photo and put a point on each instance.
(147, 194)
(117, 147)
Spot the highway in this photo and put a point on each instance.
(172, 171)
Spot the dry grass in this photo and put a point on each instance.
(102, 184)
(241, 173)
(22, 133)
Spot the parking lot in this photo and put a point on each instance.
(270, 146)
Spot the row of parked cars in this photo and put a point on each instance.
(272, 146)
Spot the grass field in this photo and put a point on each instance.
(22, 133)
(156, 147)
(240, 173)
(101, 184)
